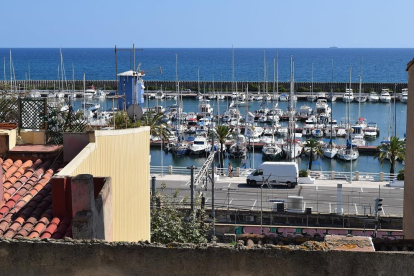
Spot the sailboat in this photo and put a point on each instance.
(330, 150)
(294, 147)
(348, 153)
(311, 97)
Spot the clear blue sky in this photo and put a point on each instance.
(212, 23)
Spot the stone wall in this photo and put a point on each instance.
(69, 257)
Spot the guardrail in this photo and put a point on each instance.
(356, 176)
(328, 175)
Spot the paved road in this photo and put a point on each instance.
(356, 198)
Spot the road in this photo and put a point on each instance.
(356, 198)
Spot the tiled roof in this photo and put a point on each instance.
(27, 209)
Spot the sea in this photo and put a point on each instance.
(374, 65)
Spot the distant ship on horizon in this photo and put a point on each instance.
(333, 47)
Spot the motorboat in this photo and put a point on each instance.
(373, 97)
(311, 98)
(234, 95)
(284, 97)
(199, 145)
(180, 148)
(238, 149)
(258, 97)
(385, 96)
(60, 95)
(99, 95)
(307, 130)
(358, 141)
(282, 131)
(348, 96)
(322, 107)
(159, 95)
(371, 131)
(317, 133)
(171, 97)
(220, 97)
(35, 95)
(191, 116)
(267, 97)
(331, 97)
(404, 95)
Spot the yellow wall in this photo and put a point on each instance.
(124, 156)
(36, 137)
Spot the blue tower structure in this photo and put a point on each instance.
(131, 85)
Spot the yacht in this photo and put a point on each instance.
(60, 95)
(238, 149)
(348, 96)
(35, 95)
(205, 109)
(90, 92)
(305, 111)
(311, 98)
(272, 151)
(322, 107)
(358, 141)
(373, 97)
(385, 96)
(234, 95)
(170, 97)
(317, 132)
(404, 95)
(331, 97)
(258, 97)
(199, 145)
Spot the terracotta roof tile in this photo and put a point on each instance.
(27, 211)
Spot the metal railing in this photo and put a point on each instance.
(321, 175)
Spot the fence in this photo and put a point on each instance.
(352, 201)
(322, 175)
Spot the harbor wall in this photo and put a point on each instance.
(208, 85)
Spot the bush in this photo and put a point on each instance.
(400, 175)
(303, 173)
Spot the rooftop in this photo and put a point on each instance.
(27, 209)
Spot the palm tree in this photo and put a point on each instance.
(393, 150)
(158, 127)
(222, 133)
(314, 147)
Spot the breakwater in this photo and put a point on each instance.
(207, 85)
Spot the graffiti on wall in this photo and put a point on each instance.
(315, 232)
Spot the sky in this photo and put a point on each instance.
(206, 24)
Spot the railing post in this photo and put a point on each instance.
(238, 171)
(357, 175)
(332, 175)
(381, 176)
(170, 169)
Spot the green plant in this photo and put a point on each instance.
(171, 222)
(222, 133)
(393, 150)
(303, 173)
(400, 175)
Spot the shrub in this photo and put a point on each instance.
(303, 173)
(400, 175)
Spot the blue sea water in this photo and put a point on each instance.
(379, 65)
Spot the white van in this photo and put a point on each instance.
(275, 173)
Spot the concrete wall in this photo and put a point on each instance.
(408, 222)
(122, 155)
(74, 258)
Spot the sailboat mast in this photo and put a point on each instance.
(312, 81)
(232, 66)
(330, 142)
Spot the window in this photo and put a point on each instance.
(258, 172)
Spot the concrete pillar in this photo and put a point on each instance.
(357, 175)
(339, 199)
(332, 174)
(170, 169)
(82, 207)
(238, 171)
(381, 176)
(408, 223)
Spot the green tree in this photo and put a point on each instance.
(222, 133)
(314, 148)
(171, 222)
(158, 127)
(393, 150)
